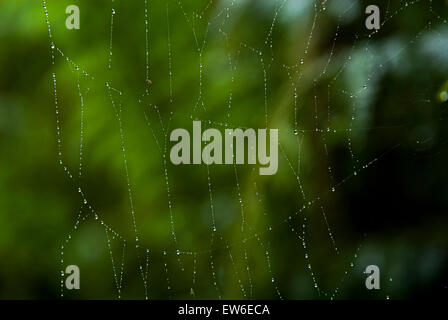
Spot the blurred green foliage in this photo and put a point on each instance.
(376, 98)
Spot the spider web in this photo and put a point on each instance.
(222, 248)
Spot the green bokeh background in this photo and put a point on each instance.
(392, 213)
